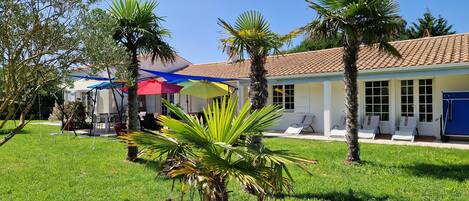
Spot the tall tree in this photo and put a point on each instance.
(38, 46)
(429, 25)
(310, 45)
(251, 36)
(360, 22)
(140, 31)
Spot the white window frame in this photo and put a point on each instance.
(282, 96)
(381, 96)
(425, 100)
(407, 93)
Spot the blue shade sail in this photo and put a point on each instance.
(107, 85)
(93, 78)
(178, 78)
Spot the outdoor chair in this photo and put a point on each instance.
(407, 129)
(339, 130)
(149, 122)
(100, 121)
(296, 128)
(370, 127)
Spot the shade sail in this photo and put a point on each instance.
(178, 78)
(107, 85)
(204, 89)
(151, 87)
(92, 78)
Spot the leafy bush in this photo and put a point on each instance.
(206, 153)
(74, 110)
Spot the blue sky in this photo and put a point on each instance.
(195, 33)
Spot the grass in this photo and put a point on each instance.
(37, 166)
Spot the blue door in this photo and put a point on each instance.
(456, 113)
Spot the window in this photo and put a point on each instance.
(164, 109)
(284, 95)
(425, 101)
(377, 99)
(407, 98)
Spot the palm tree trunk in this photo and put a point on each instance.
(221, 188)
(351, 99)
(132, 97)
(258, 87)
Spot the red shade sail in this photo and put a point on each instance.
(151, 87)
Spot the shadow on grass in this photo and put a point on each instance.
(338, 196)
(450, 171)
(8, 131)
(151, 164)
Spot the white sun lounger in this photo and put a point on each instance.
(339, 130)
(296, 128)
(369, 128)
(407, 129)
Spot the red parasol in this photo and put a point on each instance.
(150, 87)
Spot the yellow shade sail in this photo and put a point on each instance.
(204, 89)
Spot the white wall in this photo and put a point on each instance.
(308, 100)
(338, 102)
(440, 84)
(146, 63)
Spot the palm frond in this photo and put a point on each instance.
(140, 27)
(207, 154)
(251, 35)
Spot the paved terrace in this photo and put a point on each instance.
(380, 139)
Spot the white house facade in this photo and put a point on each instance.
(312, 83)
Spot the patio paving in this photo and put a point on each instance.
(384, 139)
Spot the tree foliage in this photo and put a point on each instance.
(39, 44)
(316, 44)
(206, 155)
(99, 50)
(360, 22)
(251, 36)
(429, 25)
(139, 30)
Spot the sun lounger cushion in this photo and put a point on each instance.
(296, 128)
(370, 127)
(407, 129)
(292, 130)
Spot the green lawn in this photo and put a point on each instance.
(37, 166)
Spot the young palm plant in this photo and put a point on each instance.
(251, 35)
(140, 31)
(360, 22)
(206, 153)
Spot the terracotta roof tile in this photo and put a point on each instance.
(417, 52)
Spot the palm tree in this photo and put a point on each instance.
(429, 26)
(208, 154)
(360, 22)
(251, 35)
(140, 31)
